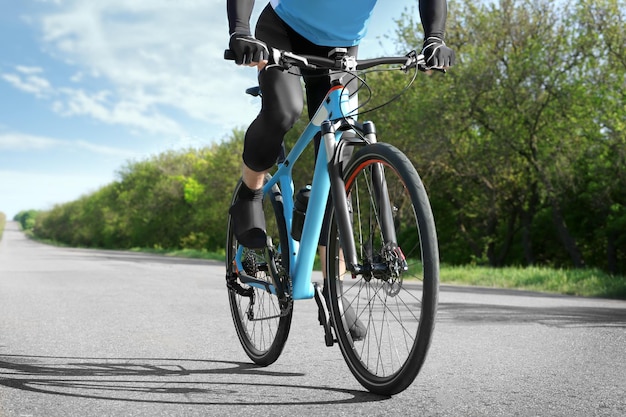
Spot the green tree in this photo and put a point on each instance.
(601, 183)
(501, 138)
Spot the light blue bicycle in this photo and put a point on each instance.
(382, 260)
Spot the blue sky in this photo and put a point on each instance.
(88, 85)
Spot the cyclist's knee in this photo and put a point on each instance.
(261, 156)
(282, 117)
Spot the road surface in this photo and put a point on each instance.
(106, 333)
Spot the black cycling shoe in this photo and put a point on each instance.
(248, 218)
(357, 329)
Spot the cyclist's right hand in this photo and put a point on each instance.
(247, 49)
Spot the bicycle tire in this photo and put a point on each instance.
(264, 328)
(398, 314)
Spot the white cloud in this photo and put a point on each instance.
(103, 106)
(143, 64)
(22, 142)
(28, 82)
(154, 57)
(19, 142)
(28, 70)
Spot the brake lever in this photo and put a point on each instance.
(291, 58)
(422, 67)
(415, 60)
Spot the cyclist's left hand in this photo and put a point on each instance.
(248, 50)
(437, 54)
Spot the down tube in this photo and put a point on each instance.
(302, 285)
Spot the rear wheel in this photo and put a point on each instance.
(395, 299)
(262, 315)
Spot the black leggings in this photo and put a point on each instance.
(282, 100)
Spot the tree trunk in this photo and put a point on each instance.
(611, 253)
(568, 241)
(527, 217)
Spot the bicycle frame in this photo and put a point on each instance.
(332, 118)
(302, 254)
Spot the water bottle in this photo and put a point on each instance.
(299, 211)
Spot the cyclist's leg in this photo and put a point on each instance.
(357, 329)
(281, 107)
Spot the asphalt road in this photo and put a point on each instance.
(103, 333)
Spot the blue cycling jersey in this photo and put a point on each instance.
(327, 22)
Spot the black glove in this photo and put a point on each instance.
(437, 54)
(247, 49)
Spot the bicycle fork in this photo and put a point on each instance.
(340, 201)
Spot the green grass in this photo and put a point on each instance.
(185, 253)
(581, 282)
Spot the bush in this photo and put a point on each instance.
(26, 219)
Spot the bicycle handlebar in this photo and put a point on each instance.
(343, 62)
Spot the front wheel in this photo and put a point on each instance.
(384, 316)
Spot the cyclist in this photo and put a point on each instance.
(303, 27)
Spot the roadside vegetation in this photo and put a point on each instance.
(585, 282)
(522, 147)
(26, 219)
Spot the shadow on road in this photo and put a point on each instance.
(167, 381)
